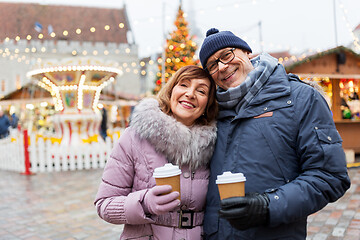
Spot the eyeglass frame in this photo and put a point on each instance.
(218, 60)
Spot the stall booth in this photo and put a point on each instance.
(337, 70)
(32, 105)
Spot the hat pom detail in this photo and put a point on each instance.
(211, 31)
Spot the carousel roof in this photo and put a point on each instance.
(31, 92)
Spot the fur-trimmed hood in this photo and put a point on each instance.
(180, 144)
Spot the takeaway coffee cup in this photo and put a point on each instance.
(231, 185)
(168, 175)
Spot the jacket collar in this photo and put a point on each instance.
(180, 144)
(277, 86)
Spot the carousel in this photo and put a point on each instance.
(75, 87)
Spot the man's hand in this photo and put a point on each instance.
(245, 212)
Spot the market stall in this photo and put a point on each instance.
(338, 71)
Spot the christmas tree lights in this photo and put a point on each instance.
(180, 50)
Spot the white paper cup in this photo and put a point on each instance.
(231, 185)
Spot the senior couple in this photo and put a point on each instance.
(237, 114)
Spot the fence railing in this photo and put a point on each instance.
(12, 154)
(45, 156)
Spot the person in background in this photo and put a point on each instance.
(177, 127)
(14, 121)
(103, 125)
(4, 124)
(279, 132)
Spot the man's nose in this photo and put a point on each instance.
(222, 66)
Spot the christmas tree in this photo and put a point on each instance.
(179, 52)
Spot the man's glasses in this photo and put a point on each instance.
(225, 58)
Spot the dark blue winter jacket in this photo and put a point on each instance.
(286, 144)
(4, 125)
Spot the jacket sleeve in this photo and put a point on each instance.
(323, 174)
(116, 202)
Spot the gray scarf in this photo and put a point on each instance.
(240, 96)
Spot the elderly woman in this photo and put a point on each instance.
(179, 128)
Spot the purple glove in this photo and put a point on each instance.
(159, 200)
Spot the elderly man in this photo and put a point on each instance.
(279, 132)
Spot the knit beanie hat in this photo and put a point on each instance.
(216, 40)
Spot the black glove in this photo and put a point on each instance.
(245, 212)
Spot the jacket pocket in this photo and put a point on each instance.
(146, 237)
(328, 135)
(331, 144)
(280, 151)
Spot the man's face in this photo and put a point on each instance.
(234, 72)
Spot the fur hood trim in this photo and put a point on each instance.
(180, 144)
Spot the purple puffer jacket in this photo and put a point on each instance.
(152, 140)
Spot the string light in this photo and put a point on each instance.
(80, 91)
(57, 90)
(355, 39)
(153, 19)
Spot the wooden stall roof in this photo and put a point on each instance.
(339, 62)
(28, 92)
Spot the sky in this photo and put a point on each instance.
(296, 26)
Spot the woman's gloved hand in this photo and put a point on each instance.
(245, 212)
(159, 200)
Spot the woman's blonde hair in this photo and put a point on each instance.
(188, 73)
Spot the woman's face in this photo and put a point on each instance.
(189, 98)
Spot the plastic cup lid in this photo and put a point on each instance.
(228, 177)
(168, 170)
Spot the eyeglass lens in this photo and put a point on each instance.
(224, 58)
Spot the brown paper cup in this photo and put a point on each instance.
(173, 181)
(228, 190)
(231, 185)
(168, 175)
